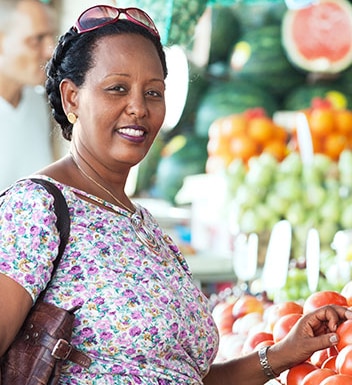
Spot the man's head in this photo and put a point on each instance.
(27, 29)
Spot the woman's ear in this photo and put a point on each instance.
(69, 96)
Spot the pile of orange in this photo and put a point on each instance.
(330, 127)
(243, 136)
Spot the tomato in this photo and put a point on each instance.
(344, 331)
(322, 298)
(337, 379)
(244, 325)
(296, 374)
(320, 356)
(284, 325)
(247, 304)
(264, 343)
(317, 376)
(344, 361)
(330, 363)
(254, 339)
(278, 310)
(223, 318)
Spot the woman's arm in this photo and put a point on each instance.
(314, 331)
(15, 303)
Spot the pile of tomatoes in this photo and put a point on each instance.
(248, 323)
(243, 136)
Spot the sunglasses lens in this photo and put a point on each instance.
(97, 16)
(142, 18)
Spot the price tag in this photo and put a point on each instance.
(277, 257)
(304, 138)
(313, 259)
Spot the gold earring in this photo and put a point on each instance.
(71, 117)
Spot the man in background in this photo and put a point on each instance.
(27, 30)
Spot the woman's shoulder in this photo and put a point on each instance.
(29, 193)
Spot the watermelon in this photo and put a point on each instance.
(318, 38)
(225, 31)
(302, 96)
(260, 58)
(254, 15)
(227, 97)
(183, 155)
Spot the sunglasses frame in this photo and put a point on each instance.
(151, 27)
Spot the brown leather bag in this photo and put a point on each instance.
(43, 344)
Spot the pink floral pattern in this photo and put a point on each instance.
(142, 319)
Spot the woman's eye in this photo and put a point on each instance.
(154, 93)
(117, 88)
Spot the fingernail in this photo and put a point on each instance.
(333, 339)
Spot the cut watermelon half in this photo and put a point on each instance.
(318, 38)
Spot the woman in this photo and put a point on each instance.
(142, 319)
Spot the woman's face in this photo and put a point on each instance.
(121, 105)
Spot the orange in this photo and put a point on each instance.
(280, 133)
(243, 147)
(234, 125)
(334, 144)
(343, 122)
(321, 121)
(277, 148)
(228, 126)
(261, 129)
(218, 146)
(318, 145)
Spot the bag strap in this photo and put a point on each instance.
(63, 221)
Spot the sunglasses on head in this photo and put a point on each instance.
(100, 15)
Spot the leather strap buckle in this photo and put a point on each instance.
(61, 350)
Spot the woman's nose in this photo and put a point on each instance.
(137, 106)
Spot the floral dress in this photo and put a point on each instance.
(142, 319)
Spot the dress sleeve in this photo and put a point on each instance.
(29, 238)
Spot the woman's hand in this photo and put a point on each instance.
(314, 331)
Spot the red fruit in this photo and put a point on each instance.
(330, 363)
(296, 374)
(264, 343)
(344, 331)
(284, 325)
(317, 376)
(254, 339)
(317, 38)
(337, 379)
(247, 304)
(321, 103)
(322, 298)
(276, 311)
(320, 356)
(344, 361)
(223, 318)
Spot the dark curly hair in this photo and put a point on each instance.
(73, 58)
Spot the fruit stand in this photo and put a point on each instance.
(265, 138)
(251, 75)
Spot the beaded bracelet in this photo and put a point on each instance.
(263, 359)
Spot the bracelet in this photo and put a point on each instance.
(263, 359)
